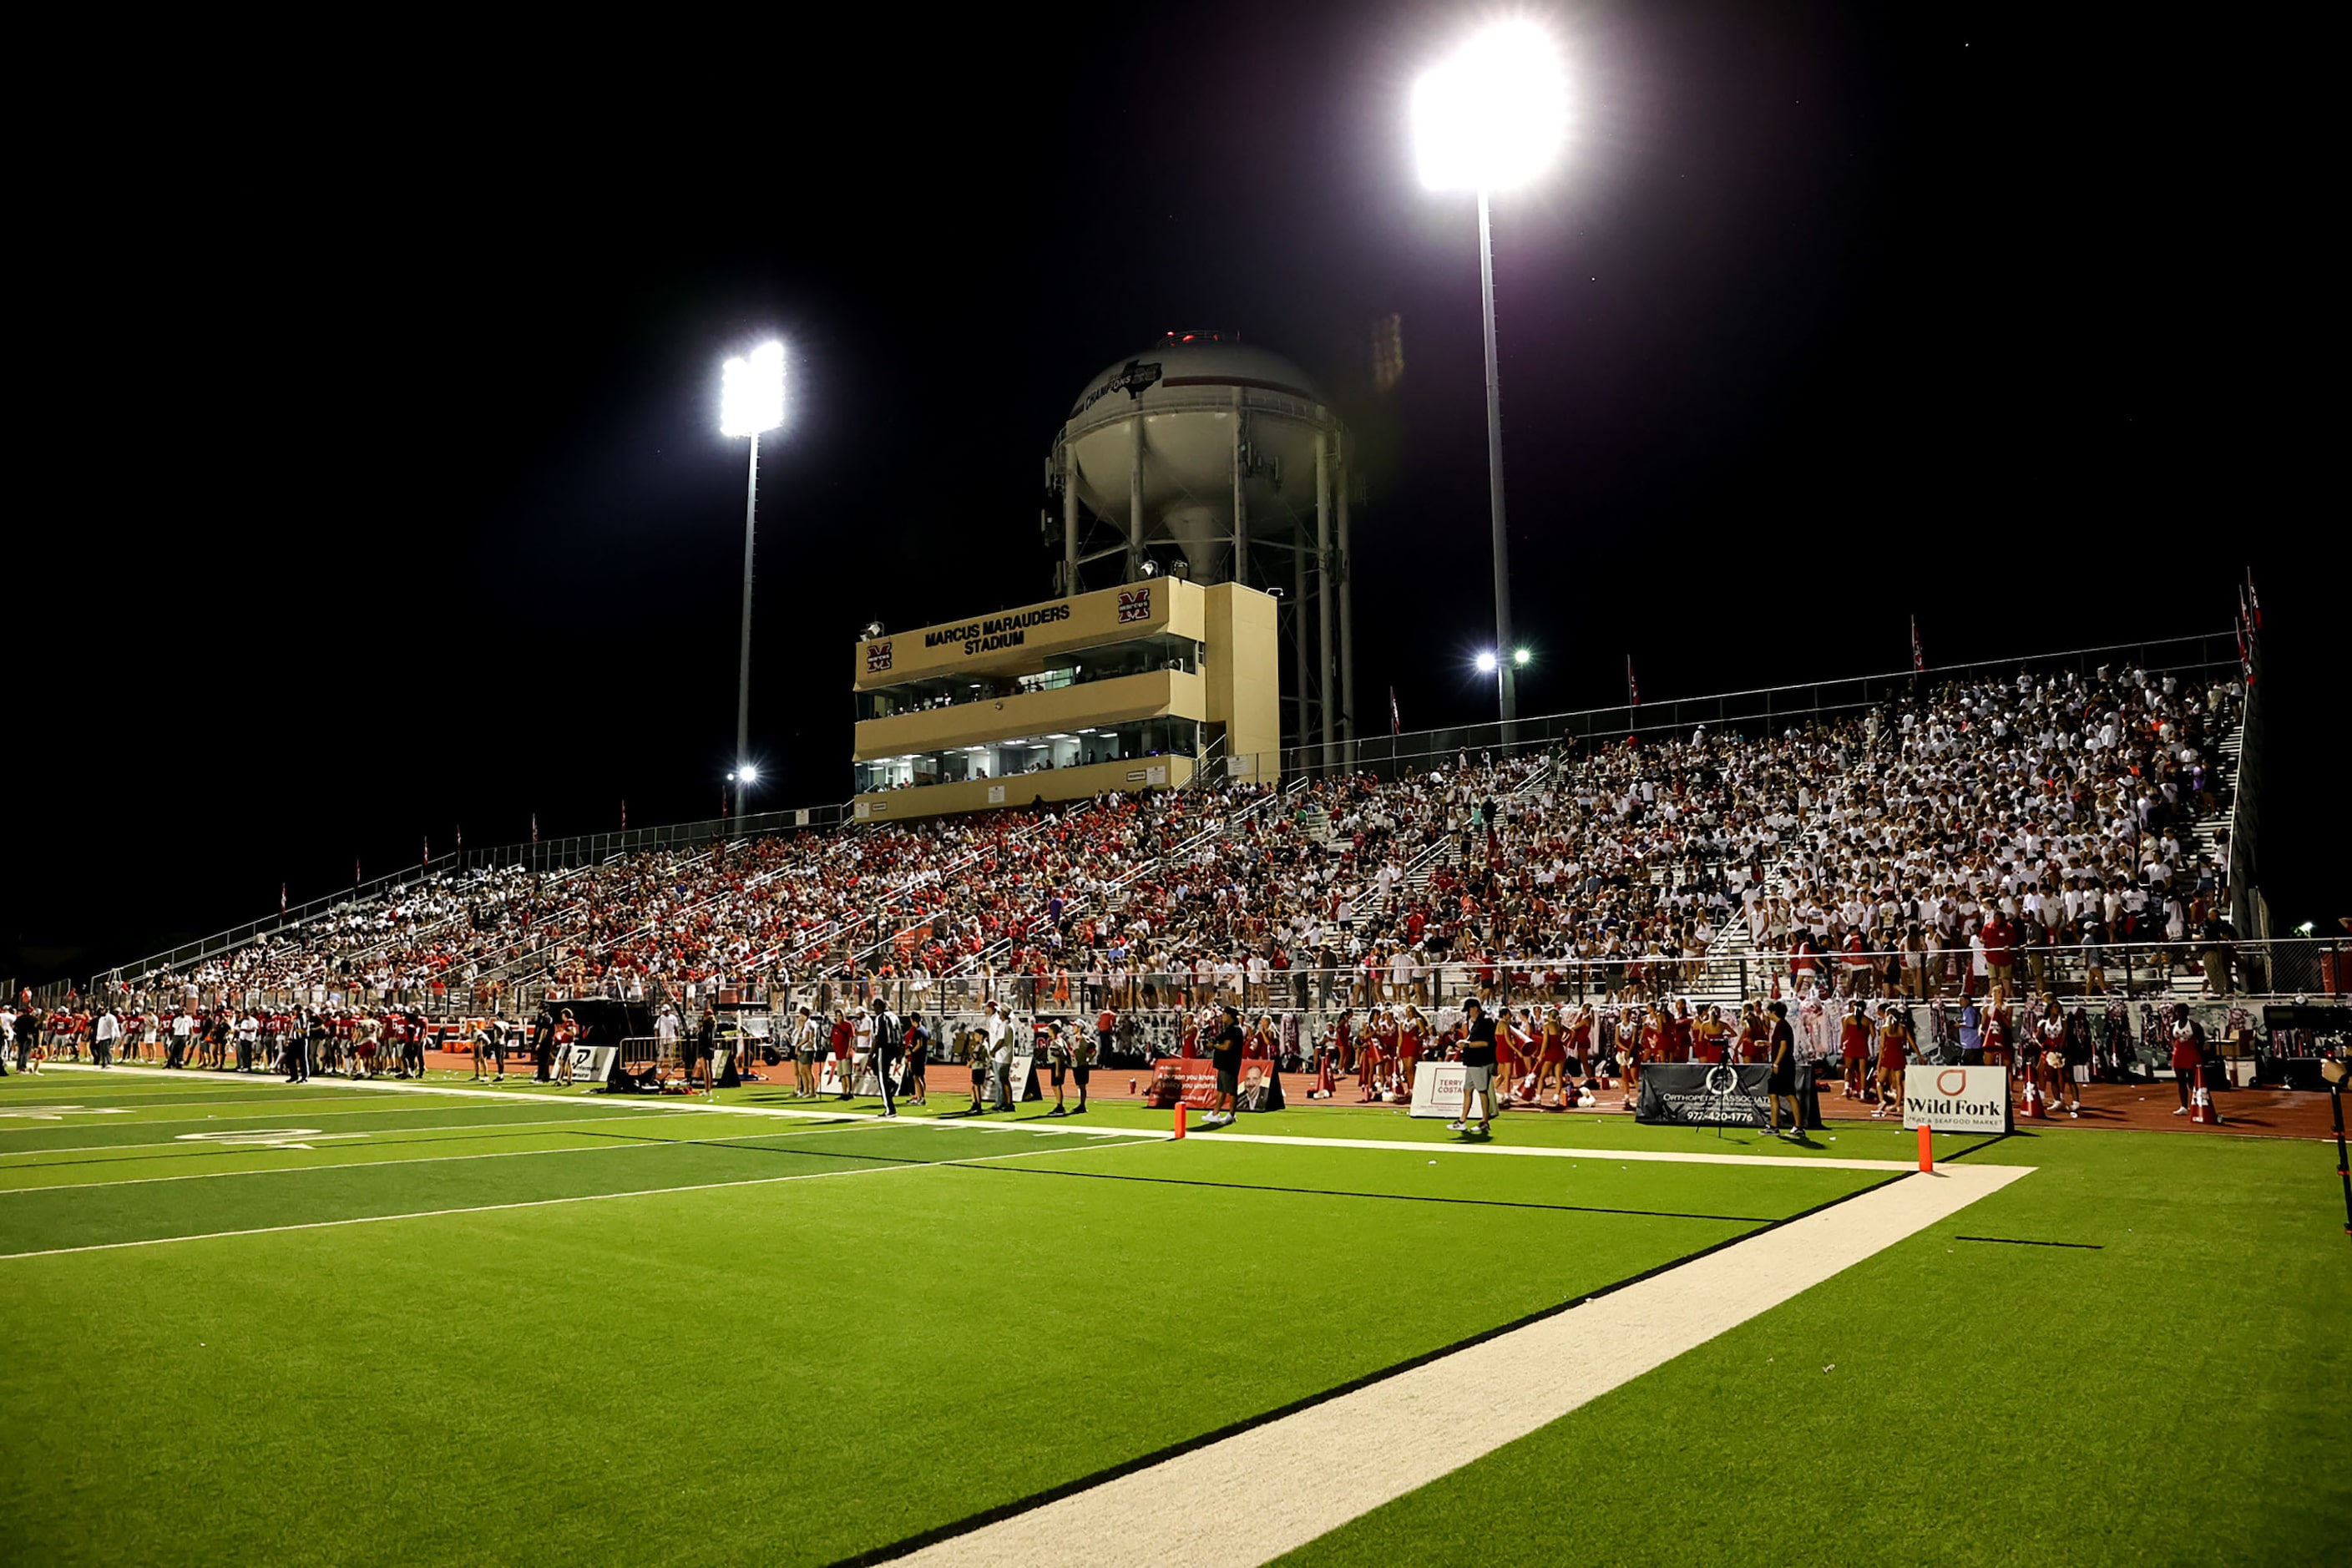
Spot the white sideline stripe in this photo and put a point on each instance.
(544, 1203)
(1457, 1408)
(1432, 1146)
(1662, 1156)
(30, 1159)
(665, 1102)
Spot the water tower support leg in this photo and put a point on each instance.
(1323, 590)
(1069, 522)
(1347, 618)
(1135, 507)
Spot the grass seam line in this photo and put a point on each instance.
(1631, 1156)
(1387, 1197)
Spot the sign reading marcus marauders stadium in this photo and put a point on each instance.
(1109, 614)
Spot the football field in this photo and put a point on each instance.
(383, 1324)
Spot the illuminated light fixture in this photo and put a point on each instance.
(1485, 663)
(1491, 116)
(1495, 114)
(750, 400)
(751, 391)
(1521, 656)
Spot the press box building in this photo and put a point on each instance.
(1129, 688)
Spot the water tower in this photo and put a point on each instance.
(1212, 458)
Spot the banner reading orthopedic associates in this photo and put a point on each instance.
(1957, 1099)
(1706, 1094)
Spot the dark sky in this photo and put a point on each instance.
(383, 494)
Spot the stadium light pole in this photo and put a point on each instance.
(1488, 118)
(751, 401)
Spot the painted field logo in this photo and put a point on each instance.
(877, 657)
(1134, 605)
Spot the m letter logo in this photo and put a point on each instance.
(877, 657)
(1134, 605)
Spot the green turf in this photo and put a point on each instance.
(2183, 1393)
(891, 1328)
(854, 1332)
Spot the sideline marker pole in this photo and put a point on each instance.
(1180, 1118)
(1927, 1148)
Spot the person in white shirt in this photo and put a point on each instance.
(999, 1034)
(103, 1036)
(183, 1029)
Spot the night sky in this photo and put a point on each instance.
(385, 496)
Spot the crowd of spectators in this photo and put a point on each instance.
(2017, 836)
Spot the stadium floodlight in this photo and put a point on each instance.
(1485, 661)
(750, 400)
(1492, 116)
(751, 392)
(1520, 657)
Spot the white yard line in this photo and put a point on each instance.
(271, 1109)
(1630, 1156)
(29, 1159)
(551, 1203)
(339, 1166)
(410, 1160)
(1219, 1506)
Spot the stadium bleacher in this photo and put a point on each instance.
(2076, 816)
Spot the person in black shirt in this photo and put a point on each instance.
(885, 1054)
(1225, 1055)
(1477, 1069)
(1782, 1085)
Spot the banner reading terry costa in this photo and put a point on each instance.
(1706, 1094)
(1957, 1099)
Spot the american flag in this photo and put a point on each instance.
(2253, 602)
(355, 871)
(1632, 687)
(624, 815)
(282, 898)
(429, 849)
(1396, 724)
(534, 828)
(1919, 654)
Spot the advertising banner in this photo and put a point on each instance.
(1437, 1089)
(593, 1064)
(1192, 1080)
(1704, 1094)
(1957, 1099)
